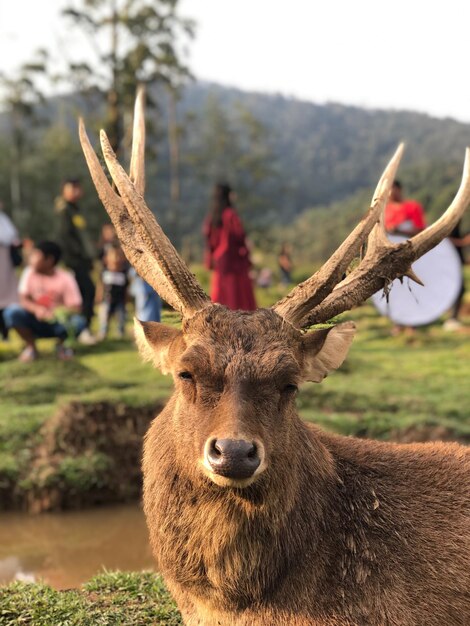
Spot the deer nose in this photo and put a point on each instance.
(232, 458)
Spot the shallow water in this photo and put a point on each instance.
(67, 549)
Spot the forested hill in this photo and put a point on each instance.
(283, 156)
(323, 153)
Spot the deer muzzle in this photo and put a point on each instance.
(235, 459)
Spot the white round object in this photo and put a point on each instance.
(410, 304)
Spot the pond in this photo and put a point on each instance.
(66, 549)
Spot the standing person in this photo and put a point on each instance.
(112, 290)
(227, 254)
(77, 249)
(108, 239)
(459, 241)
(50, 303)
(9, 240)
(403, 217)
(285, 264)
(148, 305)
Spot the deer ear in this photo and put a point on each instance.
(154, 341)
(325, 350)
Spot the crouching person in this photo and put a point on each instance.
(49, 306)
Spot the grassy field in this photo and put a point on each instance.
(404, 388)
(110, 599)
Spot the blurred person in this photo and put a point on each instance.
(50, 303)
(264, 278)
(112, 290)
(78, 252)
(460, 241)
(227, 254)
(9, 244)
(403, 217)
(108, 239)
(284, 261)
(148, 305)
(27, 248)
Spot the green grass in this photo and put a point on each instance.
(388, 385)
(387, 382)
(109, 599)
(388, 388)
(32, 393)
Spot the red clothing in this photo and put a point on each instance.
(406, 216)
(227, 255)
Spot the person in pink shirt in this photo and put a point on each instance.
(50, 303)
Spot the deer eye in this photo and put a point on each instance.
(291, 388)
(185, 376)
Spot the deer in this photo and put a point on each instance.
(255, 517)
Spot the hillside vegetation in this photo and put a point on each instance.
(284, 157)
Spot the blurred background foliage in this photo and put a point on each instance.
(304, 173)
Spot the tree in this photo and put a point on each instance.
(20, 95)
(215, 143)
(174, 132)
(135, 41)
(230, 144)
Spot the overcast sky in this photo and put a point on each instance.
(407, 54)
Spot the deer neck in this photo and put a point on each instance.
(226, 546)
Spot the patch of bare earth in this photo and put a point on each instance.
(90, 453)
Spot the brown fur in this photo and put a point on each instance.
(334, 532)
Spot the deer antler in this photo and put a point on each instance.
(325, 295)
(143, 241)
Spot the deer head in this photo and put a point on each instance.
(236, 373)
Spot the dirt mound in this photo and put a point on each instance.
(89, 454)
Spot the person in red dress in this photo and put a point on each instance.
(227, 254)
(403, 217)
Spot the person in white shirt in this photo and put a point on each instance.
(8, 283)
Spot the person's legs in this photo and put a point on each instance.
(148, 303)
(29, 328)
(139, 297)
(76, 324)
(103, 318)
(453, 323)
(23, 322)
(116, 307)
(3, 327)
(29, 352)
(285, 277)
(87, 290)
(458, 303)
(120, 309)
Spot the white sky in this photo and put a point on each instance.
(407, 54)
